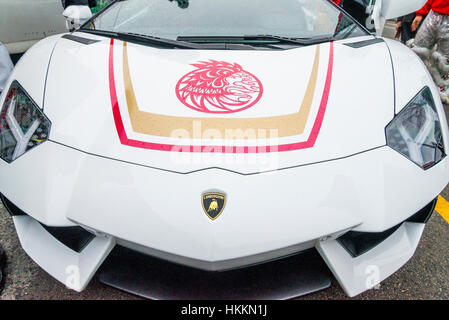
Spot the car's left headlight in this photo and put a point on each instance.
(416, 131)
(23, 125)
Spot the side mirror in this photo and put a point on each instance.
(76, 16)
(397, 8)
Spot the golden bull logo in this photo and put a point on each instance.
(213, 204)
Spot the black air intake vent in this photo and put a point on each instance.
(11, 207)
(358, 243)
(75, 238)
(423, 215)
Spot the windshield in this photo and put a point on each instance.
(171, 19)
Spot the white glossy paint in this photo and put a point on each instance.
(405, 64)
(397, 8)
(85, 176)
(76, 16)
(152, 207)
(24, 22)
(345, 129)
(73, 269)
(389, 9)
(365, 272)
(31, 70)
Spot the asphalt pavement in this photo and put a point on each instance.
(425, 276)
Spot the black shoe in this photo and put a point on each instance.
(2, 265)
(2, 258)
(1, 281)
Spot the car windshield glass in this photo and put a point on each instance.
(189, 20)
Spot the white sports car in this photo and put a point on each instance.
(222, 149)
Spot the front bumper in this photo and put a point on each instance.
(268, 216)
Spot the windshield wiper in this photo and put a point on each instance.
(301, 41)
(140, 38)
(254, 39)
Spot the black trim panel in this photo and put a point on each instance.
(153, 278)
(365, 43)
(75, 238)
(423, 215)
(79, 39)
(12, 209)
(358, 243)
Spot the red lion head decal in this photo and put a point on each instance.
(219, 87)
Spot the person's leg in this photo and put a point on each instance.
(440, 58)
(426, 37)
(441, 55)
(406, 32)
(433, 32)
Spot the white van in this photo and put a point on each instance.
(24, 22)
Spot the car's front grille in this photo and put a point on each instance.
(154, 278)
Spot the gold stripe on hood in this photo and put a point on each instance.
(164, 126)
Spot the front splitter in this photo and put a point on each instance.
(152, 278)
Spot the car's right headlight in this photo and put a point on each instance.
(416, 131)
(23, 125)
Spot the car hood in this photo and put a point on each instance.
(241, 110)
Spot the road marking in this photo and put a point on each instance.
(442, 208)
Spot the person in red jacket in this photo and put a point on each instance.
(434, 34)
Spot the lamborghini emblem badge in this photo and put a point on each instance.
(213, 204)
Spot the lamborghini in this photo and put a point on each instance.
(222, 149)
